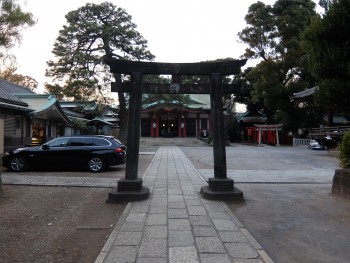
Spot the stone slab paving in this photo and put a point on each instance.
(175, 224)
(319, 176)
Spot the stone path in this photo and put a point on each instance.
(321, 176)
(175, 224)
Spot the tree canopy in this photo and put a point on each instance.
(12, 20)
(10, 74)
(273, 36)
(327, 42)
(91, 33)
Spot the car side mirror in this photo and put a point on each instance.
(46, 147)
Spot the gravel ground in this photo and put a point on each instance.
(55, 224)
(59, 224)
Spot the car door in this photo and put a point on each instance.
(50, 154)
(77, 152)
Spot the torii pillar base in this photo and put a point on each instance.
(128, 191)
(221, 189)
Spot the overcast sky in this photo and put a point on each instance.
(176, 30)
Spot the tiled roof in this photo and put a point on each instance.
(7, 91)
(71, 113)
(304, 94)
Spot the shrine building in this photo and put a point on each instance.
(175, 119)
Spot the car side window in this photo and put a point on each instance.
(77, 142)
(117, 141)
(60, 142)
(101, 142)
(90, 142)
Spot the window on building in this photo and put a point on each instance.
(18, 123)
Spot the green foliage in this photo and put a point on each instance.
(273, 32)
(273, 35)
(259, 34)
(233, 130)
(344, 150)
(12, 21)
(92, 33)
(327, 42)
(81, 126)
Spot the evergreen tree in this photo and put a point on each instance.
(327, 42)
(93, 32)
(273, 36)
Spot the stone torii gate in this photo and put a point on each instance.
(220, 187)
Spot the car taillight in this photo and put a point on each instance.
(118, 150)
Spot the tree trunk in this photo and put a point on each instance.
(330, 117)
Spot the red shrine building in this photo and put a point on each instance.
(176, 119)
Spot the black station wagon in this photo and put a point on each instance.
(92, 152)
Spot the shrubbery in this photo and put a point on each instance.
(344, 151)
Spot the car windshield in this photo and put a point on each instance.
(60, 142)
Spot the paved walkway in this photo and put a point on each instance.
(175, 224)
(321, 176)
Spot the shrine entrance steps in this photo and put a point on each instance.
(176, 141)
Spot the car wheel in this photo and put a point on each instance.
(96, 164)
(18, 164)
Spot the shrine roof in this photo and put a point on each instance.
(99, 122)
(8, 91)
(304, 94)
(172, 104)
(252, 117)
(45, 106)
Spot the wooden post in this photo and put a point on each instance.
(219, 136)
(277, 137)
(132, 159)
(130, 188)
(219, 187)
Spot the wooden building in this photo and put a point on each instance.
(176, 119)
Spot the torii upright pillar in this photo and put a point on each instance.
(130, 188)
(220, 187)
